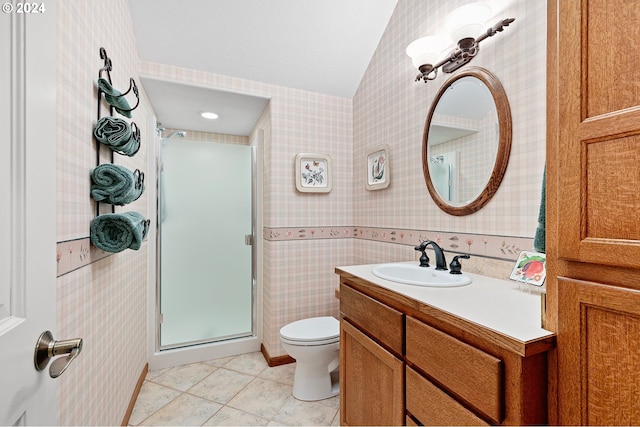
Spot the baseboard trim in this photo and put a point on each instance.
(276, 361)
(134, 396)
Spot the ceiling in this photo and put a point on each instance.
(178, 106)
(320, 46)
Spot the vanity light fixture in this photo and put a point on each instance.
(209, 115)
(462, 24)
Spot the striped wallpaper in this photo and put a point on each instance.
(104, 302)
(297, 272)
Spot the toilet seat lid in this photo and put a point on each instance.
(312, 329)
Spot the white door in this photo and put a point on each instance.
(27, 212)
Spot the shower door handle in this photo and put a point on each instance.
(248, 239)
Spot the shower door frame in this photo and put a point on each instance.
(208, 348)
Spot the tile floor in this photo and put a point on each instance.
(238, 390)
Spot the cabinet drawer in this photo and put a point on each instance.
(409, 421)
(467, 372)
(433, 407)
(378, 320)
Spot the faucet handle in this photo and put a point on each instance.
(455, 267)
(424, 259)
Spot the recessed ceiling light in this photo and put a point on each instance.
(208, 115)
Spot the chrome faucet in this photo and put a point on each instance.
(441, 263)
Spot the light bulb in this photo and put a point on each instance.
(425, 50)
(467, 21)
(209, 115)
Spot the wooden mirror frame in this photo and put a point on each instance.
(504, 142)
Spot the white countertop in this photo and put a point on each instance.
(493, 303)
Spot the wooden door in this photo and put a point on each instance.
(593, 210)
(371, 381)
(599, 132)
(599, 335)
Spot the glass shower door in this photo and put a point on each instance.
(206, 278)
(441, 177)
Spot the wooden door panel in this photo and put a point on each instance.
(599, 132)
(612, 205)
(612, 77)
(599, 334)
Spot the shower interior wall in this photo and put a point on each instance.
(106, 302)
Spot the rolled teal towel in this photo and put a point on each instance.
(116, 184)
(539, 243)
(119, 231)
(117, 134)
(114, 97)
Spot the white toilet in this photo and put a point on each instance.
(315, 344)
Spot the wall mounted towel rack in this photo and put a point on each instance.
(111, 183)
(115, 97)
(107, 67)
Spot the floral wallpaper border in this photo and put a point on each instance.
(74, 254)
(499, 247)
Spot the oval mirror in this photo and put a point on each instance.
(467, 141)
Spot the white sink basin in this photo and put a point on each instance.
(413, 274)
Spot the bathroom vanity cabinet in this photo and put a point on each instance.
(404, 360)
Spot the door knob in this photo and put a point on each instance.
(47, 348)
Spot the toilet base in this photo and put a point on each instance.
(311, 385)
(315, 345)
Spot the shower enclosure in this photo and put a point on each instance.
(444, 172)
(206, 291)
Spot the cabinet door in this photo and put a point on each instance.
(371, 381)
(599, 333)
(599, 132)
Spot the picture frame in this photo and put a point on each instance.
(377, 168)
(313, 173)
(530, 267)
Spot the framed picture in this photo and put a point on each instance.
(377, 168)
(313, 173)
(530, 268)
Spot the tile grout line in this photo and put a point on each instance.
(276, 379)
(222, 405)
